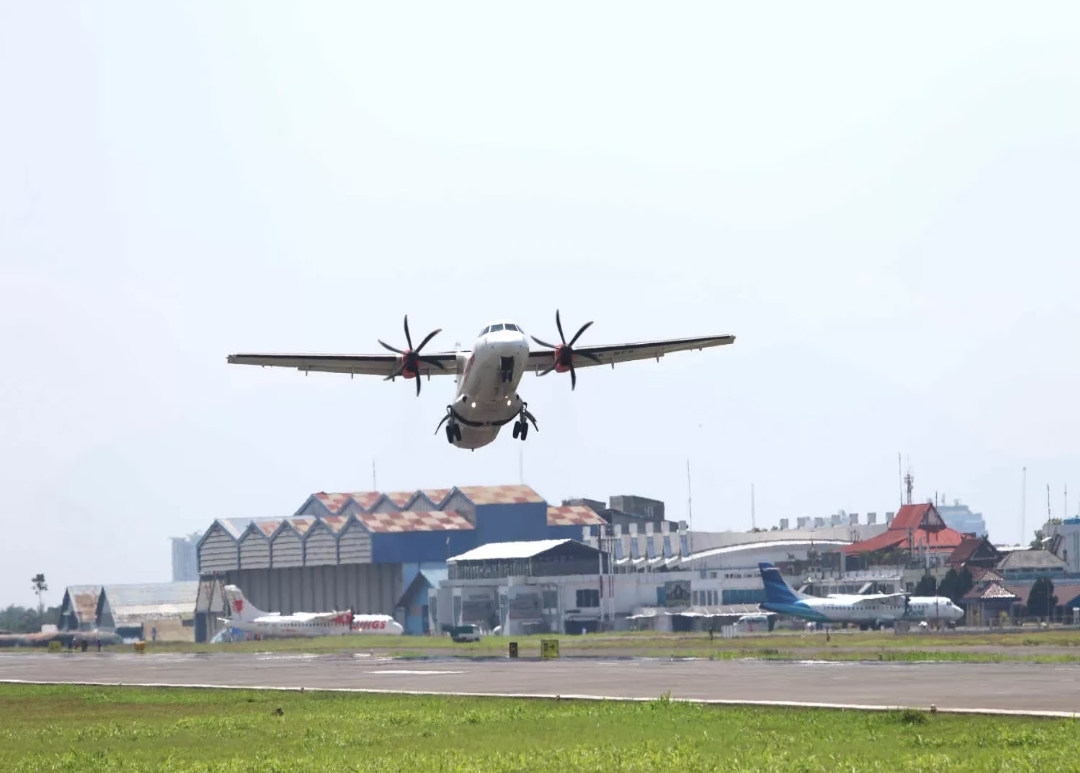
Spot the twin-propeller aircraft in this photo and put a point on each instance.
(488, 375)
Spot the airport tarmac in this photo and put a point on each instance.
(993, 687)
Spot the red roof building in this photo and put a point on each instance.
(915, 527)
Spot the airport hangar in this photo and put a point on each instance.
(376, 552)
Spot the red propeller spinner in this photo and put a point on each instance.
(411, 358)
(564, 352)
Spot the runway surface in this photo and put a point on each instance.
(998, 686)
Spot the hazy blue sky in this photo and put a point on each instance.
(881, 203)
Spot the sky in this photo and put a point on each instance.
(880, 204)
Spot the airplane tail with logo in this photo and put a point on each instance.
(239, 607)
(776, 590)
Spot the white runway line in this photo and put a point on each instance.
(413, 673)
(553, 696)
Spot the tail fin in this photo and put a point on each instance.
(776, 590)
(239, 607)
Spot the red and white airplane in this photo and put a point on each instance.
(247, 617)
(488, 375)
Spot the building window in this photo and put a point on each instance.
(551, 599)
(588, 598)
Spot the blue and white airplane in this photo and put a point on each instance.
(867, 611)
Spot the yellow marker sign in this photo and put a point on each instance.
(549, 648)
(54, 646)
(140, 646)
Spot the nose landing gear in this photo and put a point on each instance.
(521, 426)
(453, 429)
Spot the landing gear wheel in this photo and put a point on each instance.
(517, 429)
(524, 429)
(453, 432)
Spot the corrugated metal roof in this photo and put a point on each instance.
(333, 502)
(149, 601)
(234, 526)
(500, 495)
(335, 522)
(84, 600)
(573, 515)
(400, 498)
(301, 522)
(436, 495)
(1030, 559)
(366, 499)
(435, 520)
(507, 551)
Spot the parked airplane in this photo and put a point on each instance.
(246, 617)
(869, 611)
(487, 376)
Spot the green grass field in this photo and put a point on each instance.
(107, 730)
(1054, 646)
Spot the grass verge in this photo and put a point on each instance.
(129, 730)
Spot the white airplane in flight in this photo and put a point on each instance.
(488, 375)
(868, 611)
(246, 617)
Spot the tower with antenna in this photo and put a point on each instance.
(909, 485)
(1023, 506)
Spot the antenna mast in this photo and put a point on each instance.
(909, 484)
(900, 476)
(1023, 507)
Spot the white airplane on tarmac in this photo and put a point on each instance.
(488, 375)
(246, 617)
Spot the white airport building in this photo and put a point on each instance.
(628, 578)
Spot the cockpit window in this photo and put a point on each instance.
(511, 326)
(496, 328)
(484, 332)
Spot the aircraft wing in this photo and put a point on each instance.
(312, 616)
(609, 354)
(867, 601)
(354, 364)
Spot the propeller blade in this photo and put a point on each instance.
(573, 376)
(395, 374)
(433, 362)
(407, 336)
(558, 324)
(418, 380)
(542, 343)
(579, 332)
(391, 348)
(430, 335)
(548, 370)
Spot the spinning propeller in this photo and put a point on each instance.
(564, 352)
(411, 358)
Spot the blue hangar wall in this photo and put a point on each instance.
(366, 550)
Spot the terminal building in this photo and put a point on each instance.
(380, 552)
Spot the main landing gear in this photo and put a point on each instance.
(521, 426)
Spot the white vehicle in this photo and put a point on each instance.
(488, 375)
(872, 610)
(246, 617)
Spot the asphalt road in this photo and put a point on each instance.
(997, 686)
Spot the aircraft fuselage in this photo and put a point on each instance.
(486, 396)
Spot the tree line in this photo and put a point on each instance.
(16, 619)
